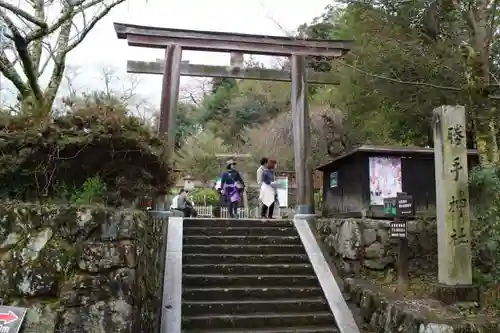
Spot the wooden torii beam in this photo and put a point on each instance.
(249, 73)
(197, 40)
(174, 41)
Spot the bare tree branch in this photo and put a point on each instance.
(59, 63)
(8, 70)
(92, 23)
(50, 57)
(37, 47)
(67, 13)
(24, 56)
(18, 11)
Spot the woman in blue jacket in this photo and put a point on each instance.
(231, 187)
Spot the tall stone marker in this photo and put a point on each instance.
(452, 197)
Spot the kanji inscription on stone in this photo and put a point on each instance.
(452, 195)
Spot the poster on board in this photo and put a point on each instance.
(333, 179)
(385, 178)
(282, 191)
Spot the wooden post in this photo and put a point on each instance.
(403, 262)
(301, 136)
(401, 208)
(170, 94)
(237, 59)
(168, 106)
(452, 200)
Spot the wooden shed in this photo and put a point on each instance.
(355, 183)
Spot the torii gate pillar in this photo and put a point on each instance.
(301, 137)
(170, 94)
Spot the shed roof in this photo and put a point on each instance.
(385, 150)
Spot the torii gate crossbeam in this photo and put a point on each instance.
(174, 41)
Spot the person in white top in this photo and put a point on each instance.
(260, 170)
(174, 204)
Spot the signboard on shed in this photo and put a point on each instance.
(399, 229)
(282, 191)
(404, 206)
(400, 206)
(11, 318)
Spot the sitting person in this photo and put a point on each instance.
(182, 203)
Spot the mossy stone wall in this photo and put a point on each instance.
(80, 269)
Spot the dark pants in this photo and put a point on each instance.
(189, 212)
(267, 211)
(232, 208)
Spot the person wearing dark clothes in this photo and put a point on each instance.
(232, 186)
(268, 192)
(183, 204)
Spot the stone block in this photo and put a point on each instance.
(84, 290)
(369, 236)
(122, 225)
(41, 318)
(378, 264)
(374, 251)
(101, 317)
(101, 256)
(348, 240)
(457, 293)
(36, 282)
(383, 235)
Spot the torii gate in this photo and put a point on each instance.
(174, 41)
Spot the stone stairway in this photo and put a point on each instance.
(249, 276)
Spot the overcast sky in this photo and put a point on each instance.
(101, 48)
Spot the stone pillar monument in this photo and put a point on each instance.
(452, 205)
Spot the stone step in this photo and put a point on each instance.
(258, 320)
(191, 259)
(249, 223)
(243, 269)
(257, 293)
(204, 280)
(244, 249)
(238, 231)
(310, 329)
(243, 240)
(217, 307)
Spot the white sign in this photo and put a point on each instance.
(282, 191)
(399, 229)
(11, 318)
(385, 178)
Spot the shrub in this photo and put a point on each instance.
(485, 224)
(205, 197)
(80, 150)
(93, 191)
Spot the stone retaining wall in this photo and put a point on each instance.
(357, 244)
(82, 270)
(388, 312)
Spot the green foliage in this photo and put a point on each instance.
(198, 155)
(186, 123)
(40, 161)
(318, 201)
(390, 111)
(485, 224)
(205, 197)
(93, 191)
